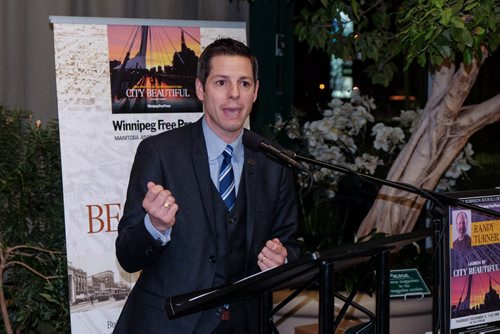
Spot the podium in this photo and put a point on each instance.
(318, 267)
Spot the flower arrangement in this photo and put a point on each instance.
(346, 133)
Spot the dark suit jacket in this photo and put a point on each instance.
(178, 160)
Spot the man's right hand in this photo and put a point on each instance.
(161, 207)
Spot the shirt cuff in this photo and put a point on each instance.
(162, 238)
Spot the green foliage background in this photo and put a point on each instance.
(430, 32)
(31, 213)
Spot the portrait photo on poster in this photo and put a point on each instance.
(461, 229)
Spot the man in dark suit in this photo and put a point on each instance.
(179, 231)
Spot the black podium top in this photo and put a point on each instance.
(288, 275)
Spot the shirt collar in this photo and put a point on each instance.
(215, 145)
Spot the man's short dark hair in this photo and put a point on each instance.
(224, 47)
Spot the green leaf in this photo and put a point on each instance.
(436, 59)
(467, 38)
(462, 36)
(409, 14)
(444, 50)
(429, 33)
(470, 6)
(421, 59)
(438, 3)
(468, 56)
(457, 22)
(446, 16)
(48, 297)
(457, 7)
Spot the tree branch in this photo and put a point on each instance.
(40, 249)
(474, 117)
(22, 264)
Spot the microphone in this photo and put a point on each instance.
(254, 141)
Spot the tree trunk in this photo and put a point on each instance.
(444, 129)
(3, 301)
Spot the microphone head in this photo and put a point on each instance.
(252, 140)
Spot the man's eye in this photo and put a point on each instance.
(220, 82)
(246, 84)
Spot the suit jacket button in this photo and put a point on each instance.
(212, 259)
(148, 251)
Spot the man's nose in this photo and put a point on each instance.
(234, 91)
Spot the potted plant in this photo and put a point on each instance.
(33, 290)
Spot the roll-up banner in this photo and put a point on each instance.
(118, 82)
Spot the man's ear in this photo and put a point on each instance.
(200, 92)
(256, 90)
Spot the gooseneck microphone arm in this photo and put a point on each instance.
(256, 142)
(440, 199)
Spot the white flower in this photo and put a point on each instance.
(461, 164)
(469, 152)
(387, 138)
(367, 162)
(339, 134)
(312, 142)
(360, 116)
(367, 102)
(458, 166)
(410, 119)
(445, 184)
(327, 113)
(335, 103)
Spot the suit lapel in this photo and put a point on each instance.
(202, 171)
(251, 193)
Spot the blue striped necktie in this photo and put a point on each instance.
(226, 179)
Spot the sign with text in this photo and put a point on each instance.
(407, 283)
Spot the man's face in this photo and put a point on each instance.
(461, 224)
(228, 96)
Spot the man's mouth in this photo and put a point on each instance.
(231, 110)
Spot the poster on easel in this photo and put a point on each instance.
(475, 265)
(118, 82)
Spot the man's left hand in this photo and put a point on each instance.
(273, 254)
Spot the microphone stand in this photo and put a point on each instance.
(441, 313)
